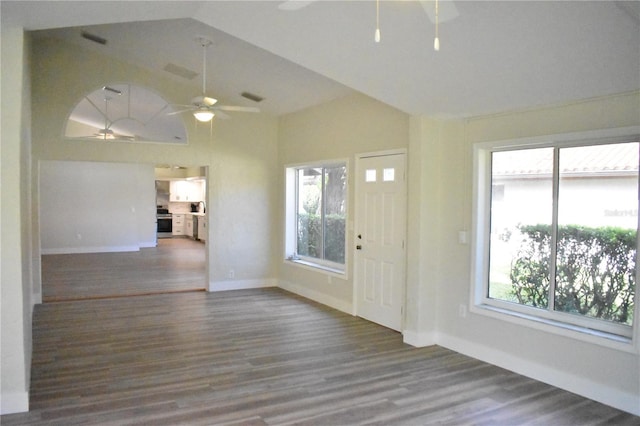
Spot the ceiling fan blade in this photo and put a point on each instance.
(221, 115)
(236, 108)
(447, 10)
(209, 101)
(203, 100)
(180, 111)
(291, 5)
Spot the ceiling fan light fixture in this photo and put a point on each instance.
(203, 115)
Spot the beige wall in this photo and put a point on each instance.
(441, 190)
(246, 158)
(335, 130)
(240, 154)
(15, 274)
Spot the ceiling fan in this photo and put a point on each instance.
(203, 107)
(447, 9)
(107, 132)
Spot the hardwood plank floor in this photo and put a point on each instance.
(266, 357)
(176, 264)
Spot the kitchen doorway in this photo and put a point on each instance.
(98, 234)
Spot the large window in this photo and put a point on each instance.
(317, 212)
(557, 232)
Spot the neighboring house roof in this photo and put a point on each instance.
(617, 159)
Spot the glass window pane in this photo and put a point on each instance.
(334, 213)
(597, 219)
(389, 175)
(309, 199)
(521, 212)
(370, 175)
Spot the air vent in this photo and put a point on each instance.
(251, 96)
(94, 38)
(180, 71)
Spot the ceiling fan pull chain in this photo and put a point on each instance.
(377, 35)
(436, 41)
(204, 67)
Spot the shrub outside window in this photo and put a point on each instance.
(559, 240)
(319, 215)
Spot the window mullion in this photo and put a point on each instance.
(296, 210)
(553, 249)
(323, 206)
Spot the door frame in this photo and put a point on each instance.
(354, 230)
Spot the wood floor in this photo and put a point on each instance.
(265, 357)
(176, 264)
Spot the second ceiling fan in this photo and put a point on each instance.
(447, 12)
(204, 107)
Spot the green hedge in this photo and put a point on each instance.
(595, 270)
(310, 237)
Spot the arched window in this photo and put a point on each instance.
(125, 112)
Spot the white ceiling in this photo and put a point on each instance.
(495, 56)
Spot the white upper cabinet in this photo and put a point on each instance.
(187, 190)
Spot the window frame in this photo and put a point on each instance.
(291, 218)
(584, 328)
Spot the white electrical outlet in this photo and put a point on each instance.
(462, 237)
(231, 274)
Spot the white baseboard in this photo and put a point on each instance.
(99, 249)
(560, 379)
(419, 340)
(316, 296)
(14, 402)
(241, 284)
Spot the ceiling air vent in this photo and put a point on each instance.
(180, 71)
(251, 96)
(94, 38)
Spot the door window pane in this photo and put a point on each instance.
(370, 175)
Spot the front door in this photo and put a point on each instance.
(380, 230)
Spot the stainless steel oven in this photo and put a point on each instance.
(165, 223)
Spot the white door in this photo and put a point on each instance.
(380, 231)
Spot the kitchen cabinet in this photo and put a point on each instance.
(202, 228)
(178, 224)
(189, 226)
(186, 190)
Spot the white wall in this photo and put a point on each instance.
(91, 207)
(335, 130)
(594, 370)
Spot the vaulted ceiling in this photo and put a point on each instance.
(495, 55)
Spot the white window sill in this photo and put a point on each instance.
(584, 334)
(317, 267)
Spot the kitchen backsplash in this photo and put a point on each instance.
(179, 207)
